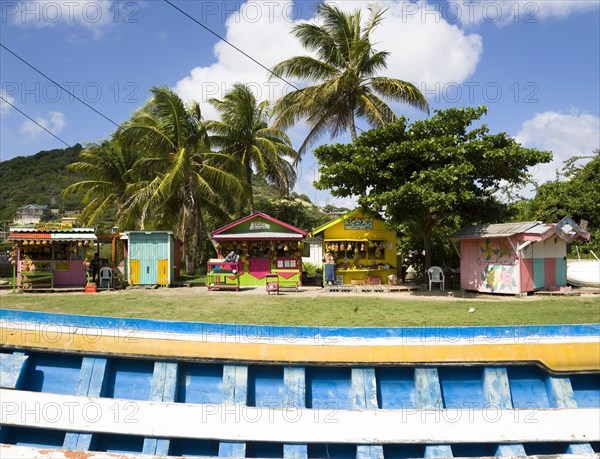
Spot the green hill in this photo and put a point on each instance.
(38, 179)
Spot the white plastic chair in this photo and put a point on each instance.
(105, 276)
(436, 274)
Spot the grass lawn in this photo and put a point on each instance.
(314, 308)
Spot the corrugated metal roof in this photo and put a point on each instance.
(73, 237)
(268, 235)
(17, 229)
(18, 235)
(500, 230)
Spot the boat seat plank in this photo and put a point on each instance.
(235, 384)
(364, 388)
(508, 450)
(560, 392)
(581, 449)
(177, 420)
(496, 388)
(235, 391)
(164, 387)
(294, 380)
(496, 391)
(561, 395)
(429, 396)
(364, 397)
(91, 382)
(369, 452)
(12, 367)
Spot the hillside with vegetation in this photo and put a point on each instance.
(41, 179)
(38, 179)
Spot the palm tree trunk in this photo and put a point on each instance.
(189, 265)
(248, 167)
(427, 245)
(353, 135)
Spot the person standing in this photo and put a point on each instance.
(95, 266)
(329, 261)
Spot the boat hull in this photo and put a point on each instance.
(129, 388)
(584, 273)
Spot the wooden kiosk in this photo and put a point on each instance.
(51, 255)
(254, 247)
(364, 250)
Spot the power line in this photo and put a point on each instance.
(57, 84)
(239, 50)
(34, 121)
(256, 61)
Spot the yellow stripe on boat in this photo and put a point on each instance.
(558, 354)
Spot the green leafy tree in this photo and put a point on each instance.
(105, 166)
(345, 69)
(178, 180)
(430, 172)
(243, 133)
(577, 195)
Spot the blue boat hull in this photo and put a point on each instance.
(132, 388)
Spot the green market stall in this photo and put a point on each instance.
(254, 247)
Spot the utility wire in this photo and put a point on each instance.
(31, 119)
(57, 84)
(239, 50)
(256, 61)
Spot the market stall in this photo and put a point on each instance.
(151, 257)
(254, 247)
(513, 258)
(363, 250)
(51, 255)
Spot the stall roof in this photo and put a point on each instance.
(72, 234)
(350, 214)
(258, 226)
(501, 230)
(270, 235)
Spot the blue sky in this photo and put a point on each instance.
(535, 64)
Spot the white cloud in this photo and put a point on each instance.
(4, 107)
(54, 122)
(565, 134)
(94, 15)
(430, 53)
(504, 13)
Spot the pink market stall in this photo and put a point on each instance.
(517, 257)
(51, 255)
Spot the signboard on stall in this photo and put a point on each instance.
(362, 223)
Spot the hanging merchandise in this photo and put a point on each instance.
(349, 247)
(342, 247)
(362, 247)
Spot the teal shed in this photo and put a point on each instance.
(151, 257)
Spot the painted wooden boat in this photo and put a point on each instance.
(82, 386)
(584, 273)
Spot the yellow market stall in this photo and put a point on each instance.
(363, 249)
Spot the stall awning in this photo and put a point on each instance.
(263, 236)
(31, 234)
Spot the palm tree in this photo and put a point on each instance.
(243, 132)
(345, 71)
(178, 180)
(106, 166)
